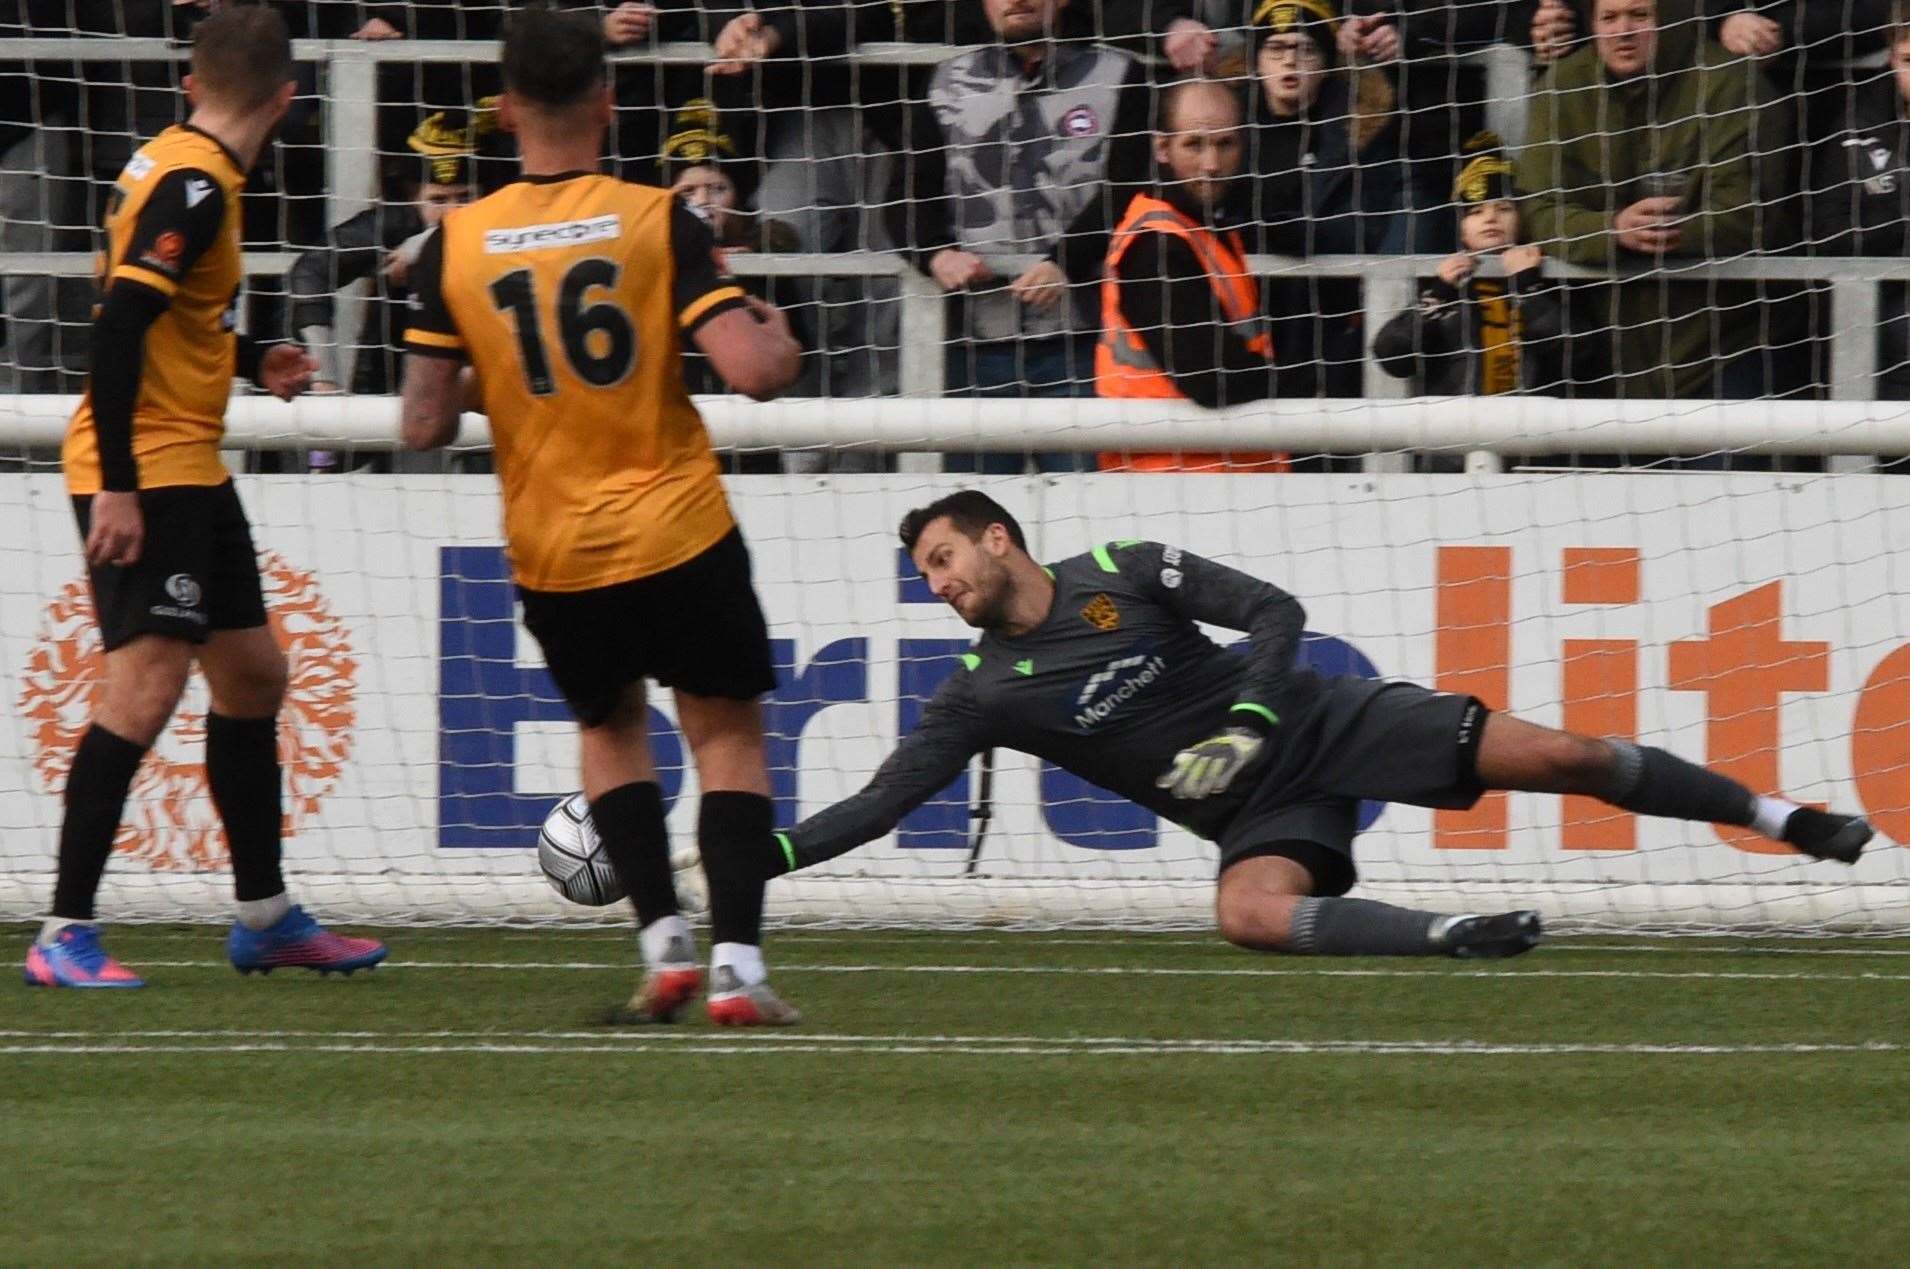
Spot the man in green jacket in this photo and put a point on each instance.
(1645, 151)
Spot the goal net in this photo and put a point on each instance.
(1670, 514)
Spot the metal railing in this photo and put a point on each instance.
(1388, 282)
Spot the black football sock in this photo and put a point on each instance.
(735, 832)
(242, 767)
(1361, 927)
(96, 787)
(629, 820)
(1650, 781)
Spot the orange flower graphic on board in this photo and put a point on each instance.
(170, 822)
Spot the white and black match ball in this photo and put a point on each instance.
(572, 855)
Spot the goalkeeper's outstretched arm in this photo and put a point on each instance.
(951, 732)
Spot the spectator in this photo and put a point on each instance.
(1181, 317)
(408, 90)
(39, 118)
(380, 243)
(1787, 30)
(1326, 146)
(1862, 204)
(1329, 179)
(1023, 147)
(1640, 150)
(699, 165)
(1432, 51)
(1473, 336)
(821, 173)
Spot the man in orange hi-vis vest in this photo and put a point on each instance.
(572, 297)
(1181, 316)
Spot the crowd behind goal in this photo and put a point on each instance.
(1561, 222)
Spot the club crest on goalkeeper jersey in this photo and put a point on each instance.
(173, 226)
(573, 296)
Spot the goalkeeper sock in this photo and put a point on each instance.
(242, 768)
(734, 832)
(96, 787)
(1361, 927)
(629, 821)
(1773, 816)
(1650, 781)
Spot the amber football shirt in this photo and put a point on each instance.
(173, 227)
(572, 297)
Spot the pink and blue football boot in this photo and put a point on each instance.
(297, 941)
(75, 959)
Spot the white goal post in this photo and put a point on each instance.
(1757, 621)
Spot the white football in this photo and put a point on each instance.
(572, 857)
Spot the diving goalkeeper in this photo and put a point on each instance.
(1097, 666)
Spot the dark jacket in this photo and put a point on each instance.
(1443, 341)
(1827, 30)
(1590, 142)
(1862, 200)
(1861, 207)
(356, 249)
(1314, 195)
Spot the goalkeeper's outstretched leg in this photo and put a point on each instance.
(1266, 901)
(1284, 878)
(1514, 754)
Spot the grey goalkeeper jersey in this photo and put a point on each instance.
(1111, 686)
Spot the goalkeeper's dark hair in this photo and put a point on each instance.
(971, 512)
(242, 55)
(553, 59)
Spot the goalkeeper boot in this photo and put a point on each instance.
(295, 940)
(1489, 937)
(75, 959)
(668, 985)
(734, 1005)
(1827, 835)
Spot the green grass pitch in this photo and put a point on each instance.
(972, 1098)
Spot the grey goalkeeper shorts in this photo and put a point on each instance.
(1366, 738)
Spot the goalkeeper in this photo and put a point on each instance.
(1097, 665)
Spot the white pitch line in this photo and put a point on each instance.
(536, 1043)
(1738, 950)
(1648, 944)
(1143, 971)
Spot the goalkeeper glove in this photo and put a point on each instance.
(1210, 766)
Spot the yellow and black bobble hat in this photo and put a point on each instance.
(1487, 176)
(448, 141)
(696, 137)
(1315, 19)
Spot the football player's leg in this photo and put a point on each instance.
(1515, 754)
(1266, 902)
(144, 678)
(626, 806)
(246, 674)
(735, 832)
